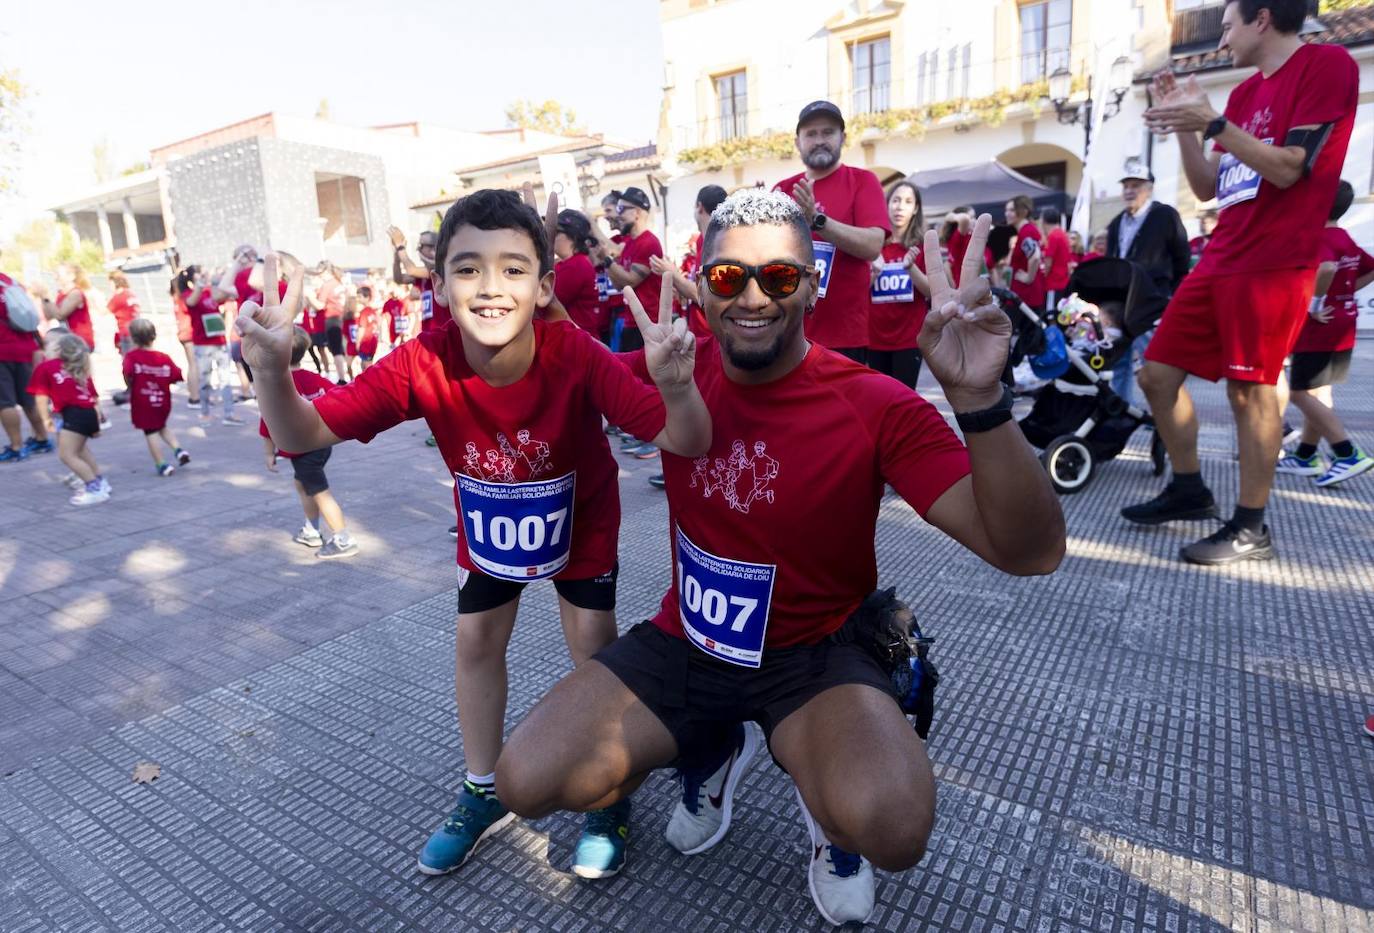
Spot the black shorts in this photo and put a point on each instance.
(14, 381)
(631, 340)
(699, 699)
(857, 354)
(333, 333)
(319, 340)
(309, 470)
(481, 592)
(83, 421)
(1318, 368)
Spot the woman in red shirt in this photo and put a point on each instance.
(1027, 276)
(899, 291)
(71, 307)
(123, 304)
(574, 278)
(183, 319)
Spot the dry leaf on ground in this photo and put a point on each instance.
(146, 772)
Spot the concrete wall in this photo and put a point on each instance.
(219, 200)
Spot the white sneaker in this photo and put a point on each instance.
(105, 486)
(842, 883)
(73, 482)
(86, 497)
(701, 817)
(309, 536)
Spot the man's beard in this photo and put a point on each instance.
(821, 158)
(752, 360)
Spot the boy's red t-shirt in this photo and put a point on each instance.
(150, 374)
(362, 333)
(396, 314)
(543, 430)
(310, 385)
(1352, 264)
(1060, 253)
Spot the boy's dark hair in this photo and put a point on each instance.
(1287, 15)
(300, 343)
(364, 291)
(1345, 196)
(1051, 216)
(490, 209)
(710, 196)
(142, 331)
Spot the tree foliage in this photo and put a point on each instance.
(1335, 6)
(13, 125)
(51, 243)
(548, 117)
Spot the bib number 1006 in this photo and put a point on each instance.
(712, 605)
(530, 534)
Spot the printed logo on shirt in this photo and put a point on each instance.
(740, 479)
(500, 464)
(1258, 124)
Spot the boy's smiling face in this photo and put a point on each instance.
(490, 281)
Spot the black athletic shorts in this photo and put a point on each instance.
(480, 592)
(631, 340)
(333, 332)
(857, 354)
(699, 699)
(309, 470)
(1318, 368)
(83, 421)
(319, 339)
(14, 381)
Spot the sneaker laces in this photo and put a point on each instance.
(604, 822)
(845, 864)
(1224, 533)
(692, 787)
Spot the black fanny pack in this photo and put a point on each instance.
(886, 628)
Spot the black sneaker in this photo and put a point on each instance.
(1229, 544)
(1172, 505)
(656, 481)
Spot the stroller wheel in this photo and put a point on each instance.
(1158, 455)
(1069, 461)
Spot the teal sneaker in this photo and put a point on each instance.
(600, 851)
(475, 816)
(1346, 468)
(1294, 465)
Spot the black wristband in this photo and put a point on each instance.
(973, 422)
(1215, 128)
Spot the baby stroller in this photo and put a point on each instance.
(1077, 421)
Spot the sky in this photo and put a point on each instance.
(144, 74)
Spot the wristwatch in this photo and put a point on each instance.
(972, 422)
(1215, 127)
(819, 222)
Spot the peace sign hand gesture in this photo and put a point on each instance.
(670, 349)
(268, 330)
(966, 336)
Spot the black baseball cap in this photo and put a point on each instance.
(637, 197)
(819, 108)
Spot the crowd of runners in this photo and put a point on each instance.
(773, 372)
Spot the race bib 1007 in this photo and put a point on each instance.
(518, 531)
(1236, 181)
(724, 603)
(893, 284)
(825, 259)
(426, 305)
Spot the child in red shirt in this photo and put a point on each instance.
(74, 397)
(150, 374)
(362, 333)
(515, 405)
(312, 486)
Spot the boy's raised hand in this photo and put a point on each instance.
(670, 349)
(267, 330)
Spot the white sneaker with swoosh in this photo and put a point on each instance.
(701, 817)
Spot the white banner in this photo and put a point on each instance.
(559, 173)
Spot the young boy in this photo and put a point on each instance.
(312, 486)
(150, 374)
(362, 335)
(515, 405)
(1321, 357)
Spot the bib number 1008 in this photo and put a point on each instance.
(530, 534)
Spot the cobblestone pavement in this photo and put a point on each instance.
(1129, 744)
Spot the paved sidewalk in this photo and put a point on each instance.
(1129, 744)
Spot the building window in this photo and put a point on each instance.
(1045, 33)
(872, 69)
(342, 201)
(732, 92)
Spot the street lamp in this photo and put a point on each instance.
(1061, 86)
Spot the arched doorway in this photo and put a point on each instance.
(886, 174)
(1050, 165)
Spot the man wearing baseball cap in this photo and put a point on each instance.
(631, 268)
(848, 216)
(1147, 232)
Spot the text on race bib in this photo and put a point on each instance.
(353, 332)
(893, 284)
(426, 305)
(518, 531)
(604, 288)
(724, 603)
(1236, 181)
(825, 259)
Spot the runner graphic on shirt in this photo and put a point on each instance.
(725, 476)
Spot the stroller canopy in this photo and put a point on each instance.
(1099, 280)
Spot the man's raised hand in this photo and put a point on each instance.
(268, 330)
(670, 349)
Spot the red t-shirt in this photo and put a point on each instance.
(362, 333)
(957, 246)
(851, 196)
(149, 375)
(895, 325)
(637, 252)
(1262, 227)
(1032, 293)
(183, 319)
(1060, 253)
(793, 482)
(395, 311)
(65, 392)
(1352, 263)
(40, 383)
(198, 311)
(245, 290)
(574, 284)
(123, 304)
(691, 267)
(544, 429)
(331, 295)
(612, 301)
(433, 315)
(16, 346)
(310, 385)
(79, 321)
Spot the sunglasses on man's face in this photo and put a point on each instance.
(776, 279)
